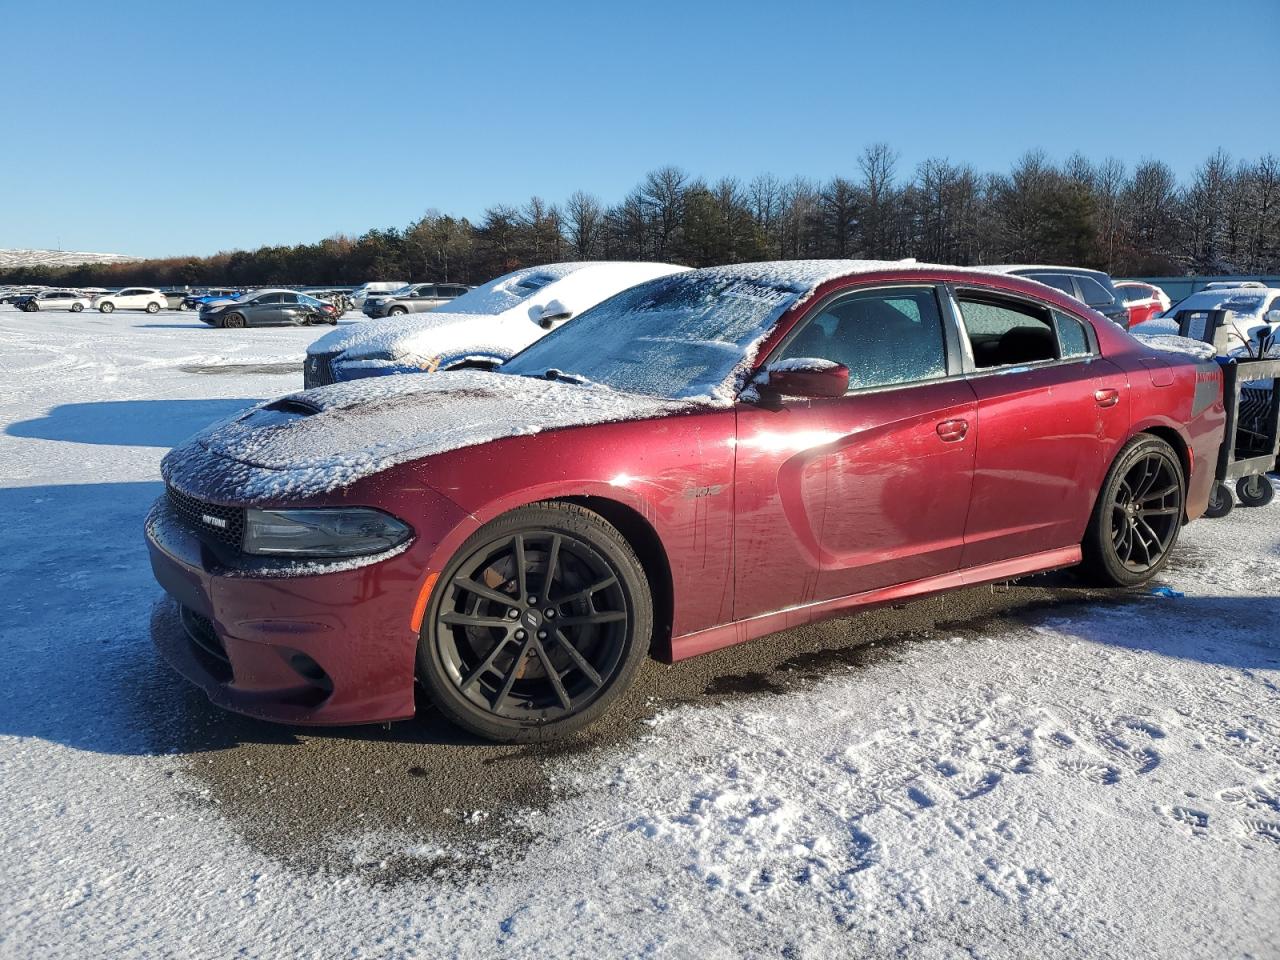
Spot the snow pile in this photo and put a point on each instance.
(319, 440)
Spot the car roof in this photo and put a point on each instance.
(1020, 268)
(1213, 299)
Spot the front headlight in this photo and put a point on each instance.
(322, 532)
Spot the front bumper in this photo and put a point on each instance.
(329, 648)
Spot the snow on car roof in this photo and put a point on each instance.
(1236, 299)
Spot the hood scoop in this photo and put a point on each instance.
(280, 413)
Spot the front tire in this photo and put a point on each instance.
(107, 308)
(233, 321)
(537, 625)
(1138, 516)
(397, 312)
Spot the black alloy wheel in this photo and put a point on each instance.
(1138, 516)
(537, 625)
(233, 321)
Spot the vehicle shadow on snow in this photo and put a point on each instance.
(129, 423)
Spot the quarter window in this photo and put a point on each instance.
(1007, 332)
(1073, 339)
(884, 337)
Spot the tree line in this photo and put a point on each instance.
(1141, 221)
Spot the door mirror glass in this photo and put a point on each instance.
(805, 377)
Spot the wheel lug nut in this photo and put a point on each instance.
(512, 614)
(533, 601)
(519, 634)
(550, 614)
(542, 634)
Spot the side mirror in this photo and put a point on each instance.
(805, 377)
(553, 313)
(1273, 316)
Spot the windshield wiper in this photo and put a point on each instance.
(554, 374)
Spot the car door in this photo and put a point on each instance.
(267, 309)
(839, 496)
(423, 299)
(1052, 414)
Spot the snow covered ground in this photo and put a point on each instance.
(1087, 780)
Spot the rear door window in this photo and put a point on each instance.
(1005, 332)
(1094, 293)
(1059, 281)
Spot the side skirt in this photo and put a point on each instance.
(726, 635)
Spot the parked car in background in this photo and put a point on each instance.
(485, 325)
(132, 298)
(197, 299)
(1252, 316)
(365, 290)
(53, 300)
(174, 299)
(709, 457)
(415, 298)
(268, 308)
(1092, 287)
(1142, 300)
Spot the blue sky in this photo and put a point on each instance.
(162, 128)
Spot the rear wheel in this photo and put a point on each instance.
(1138, 516)
(537, 625)
(1255, 491)
(77, 307)
(153, 307)
(233, 321)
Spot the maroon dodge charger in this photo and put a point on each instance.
(700, 460)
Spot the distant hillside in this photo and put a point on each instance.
(56, 258)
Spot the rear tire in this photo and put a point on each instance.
(77, 307)
(153, 307)
(1138, 516)
(1255, 491)
(548, 590)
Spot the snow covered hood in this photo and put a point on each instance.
(319, 440)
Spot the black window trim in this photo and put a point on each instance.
(951, 340)
(955, 291)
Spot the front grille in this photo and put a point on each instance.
(318, 370)
(209, 520)
(208, 647)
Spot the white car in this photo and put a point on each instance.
(52, 300)
(1251, 324)
(366, 290)
(487, 325)
(132, 298)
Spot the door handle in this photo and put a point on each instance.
(1107, 397)
(953, 431)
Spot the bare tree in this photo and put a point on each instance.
(584, 225)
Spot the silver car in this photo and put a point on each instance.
(52, 300)
(267, 308)
(415, 298)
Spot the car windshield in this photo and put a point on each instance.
(681, 336)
